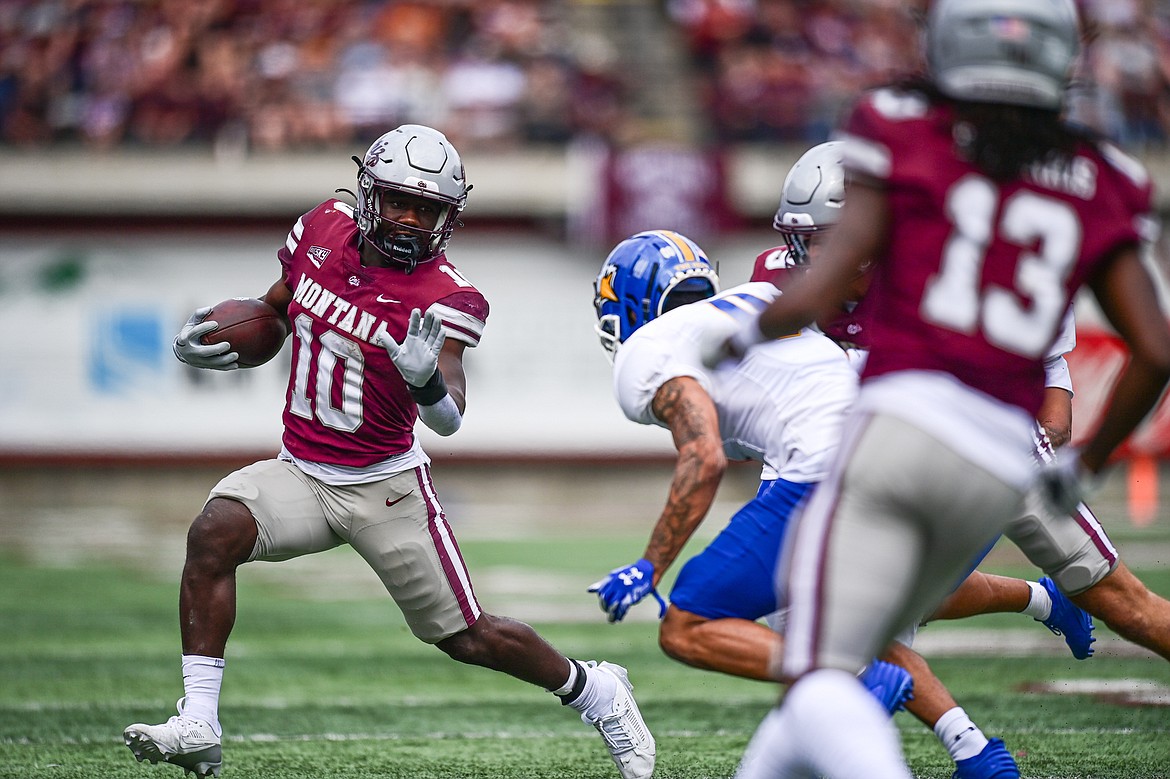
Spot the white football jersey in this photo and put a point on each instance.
(782, 405)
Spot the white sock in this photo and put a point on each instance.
(596, 699)
(567, 687)
(202, 677)
(1040, 604)
(959, 734)
(771, 754)
(840, 730)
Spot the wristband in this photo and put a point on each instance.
(430, 393)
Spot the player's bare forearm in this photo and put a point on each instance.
(279, 296)
(691, 493)
(1056, 416)
(693, 421)
(1136, 392)
(1125, 292)
(451, 365)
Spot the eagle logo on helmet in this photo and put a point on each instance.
(655, 271)
(605, 285)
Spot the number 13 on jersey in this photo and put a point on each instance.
(1022, 319)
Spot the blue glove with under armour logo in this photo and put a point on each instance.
(624, 587)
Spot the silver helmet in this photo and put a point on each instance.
(1019, 52)
(812, 197)
(419, 161)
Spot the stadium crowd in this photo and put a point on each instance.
(283, 74)
(785, 69)
(287, 75)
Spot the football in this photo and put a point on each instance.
(255, 330)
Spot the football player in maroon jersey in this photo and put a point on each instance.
(810, 205)
(380, 319)
(1074, 549)
(983, 214)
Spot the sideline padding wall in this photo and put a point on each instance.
(88, 368)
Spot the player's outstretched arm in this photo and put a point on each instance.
(1125, 292)
(688, 411)
(690, 414)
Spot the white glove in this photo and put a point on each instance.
(1064, 483)
(417, 357)
(189, 346)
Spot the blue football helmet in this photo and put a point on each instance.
(645, 276)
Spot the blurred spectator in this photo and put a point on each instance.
(784, 69)
(1131, 85)
(273, 75)
(270, 75)
(599, 91)
(546, 108)
(484, 91)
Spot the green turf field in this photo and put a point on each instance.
(324, 680)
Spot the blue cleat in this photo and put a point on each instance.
(1069, 620)
(889, 683)
(994, 762)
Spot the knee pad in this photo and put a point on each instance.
(1064, 549)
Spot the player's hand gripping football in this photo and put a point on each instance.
(625, 586)
(189, 346)
(1065, 482)
(417, 357)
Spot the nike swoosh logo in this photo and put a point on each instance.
(387, 300)
(392, 502)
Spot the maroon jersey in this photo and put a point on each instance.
(346, 403)
(977, 275)
(773, 265)
(848, 330)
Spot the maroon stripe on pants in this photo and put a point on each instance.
(448, 550)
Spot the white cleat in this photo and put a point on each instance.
(626, 736)
(184, 741)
